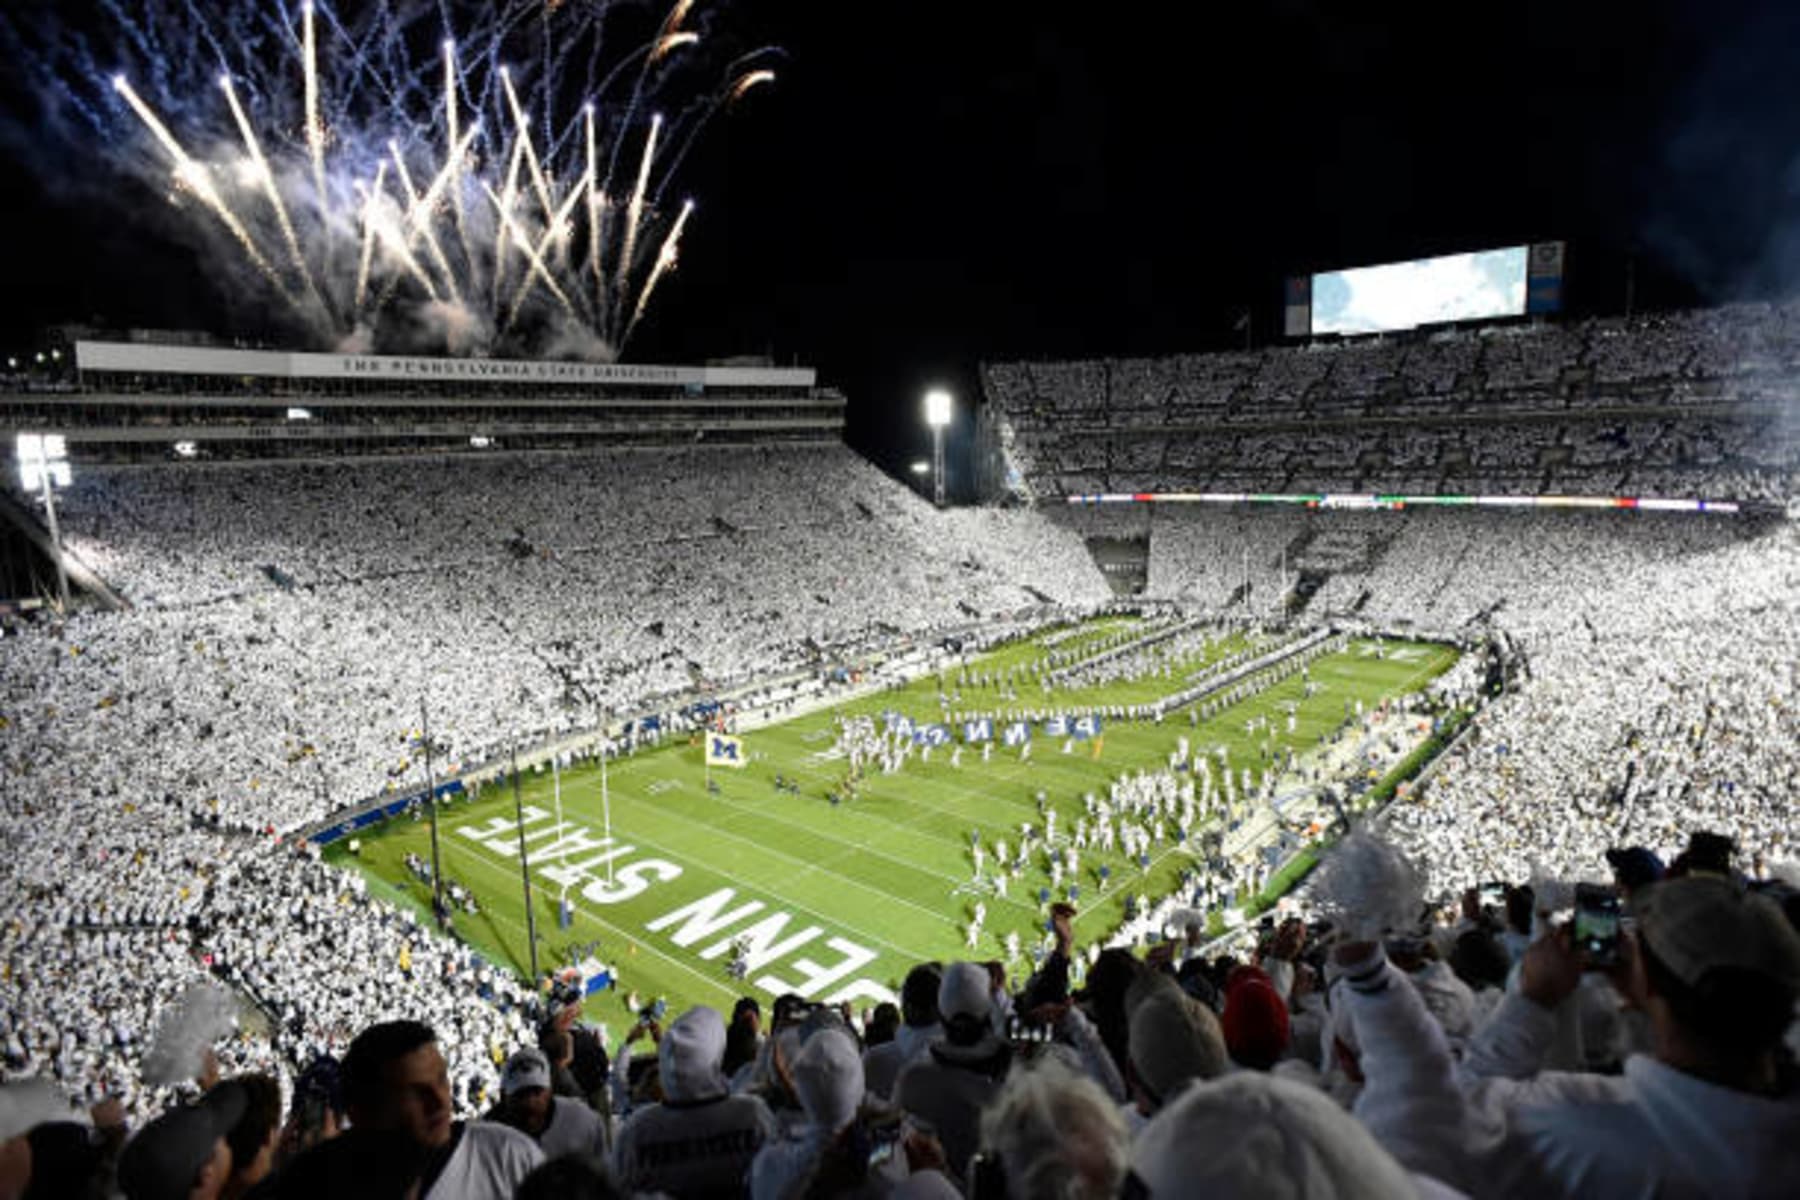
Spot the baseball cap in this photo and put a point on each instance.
(1172, 1038)
(1635, 866)
(1697, 924)
(160, 1163)
(1255, 1020)
(525, 1070)
(966, 991)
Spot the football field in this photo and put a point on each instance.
(837, 900)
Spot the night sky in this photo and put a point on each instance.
(932, 183)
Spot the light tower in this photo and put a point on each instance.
(44, 466)
(937, 415)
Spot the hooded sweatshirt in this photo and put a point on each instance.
(882, 1064)
(701, 1139)
(947, 1089)
(828, 1076)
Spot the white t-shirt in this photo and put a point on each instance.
(488, 1164)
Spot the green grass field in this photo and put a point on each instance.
(836, 901)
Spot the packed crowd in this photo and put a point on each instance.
(267, 697)
(1660, 654)
(1628, 1032)
(1688, 404)
(155, 760)
(1711, 456)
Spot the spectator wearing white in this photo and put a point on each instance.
(845, 1149)
(1256, 1135)
(827, 1077)
(919, 1027)
(395, 1080)
(1055, 1135)
(557, 1124)
(701, 1140)
(1386, 1039)
(1709, 1113)
(1174, 1040)
(962, 1071)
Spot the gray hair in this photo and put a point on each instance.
(1058, 1135)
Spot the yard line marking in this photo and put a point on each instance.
(852, 846)
(807, 869)
(630, 939)
(881, 820)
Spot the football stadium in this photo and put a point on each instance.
(465, 732)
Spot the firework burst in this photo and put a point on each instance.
(463, 200)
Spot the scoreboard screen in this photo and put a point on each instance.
(1426, 291)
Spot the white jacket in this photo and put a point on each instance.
(1411, 1099)
(1663, 1134)
(1651, 1132)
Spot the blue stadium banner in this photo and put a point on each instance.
(723, 751)
(978, 731)
(932, 735)
(899, 723)
(1016, 734)
(1083, 728)
(1056, 727)
(375, 816)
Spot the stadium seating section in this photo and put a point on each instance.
(285, 621)
(1691, 404)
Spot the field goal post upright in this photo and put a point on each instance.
(525, 866)
(437, 866)
(562, 897)
(606, 797)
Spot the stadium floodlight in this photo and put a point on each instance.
(43, 461)
(938, 404)
(12, 364)
(921, 467)
(44, 467)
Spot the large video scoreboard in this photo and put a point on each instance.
(1478, 286)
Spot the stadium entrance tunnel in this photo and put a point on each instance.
(1306, 586)
(1124, 561)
